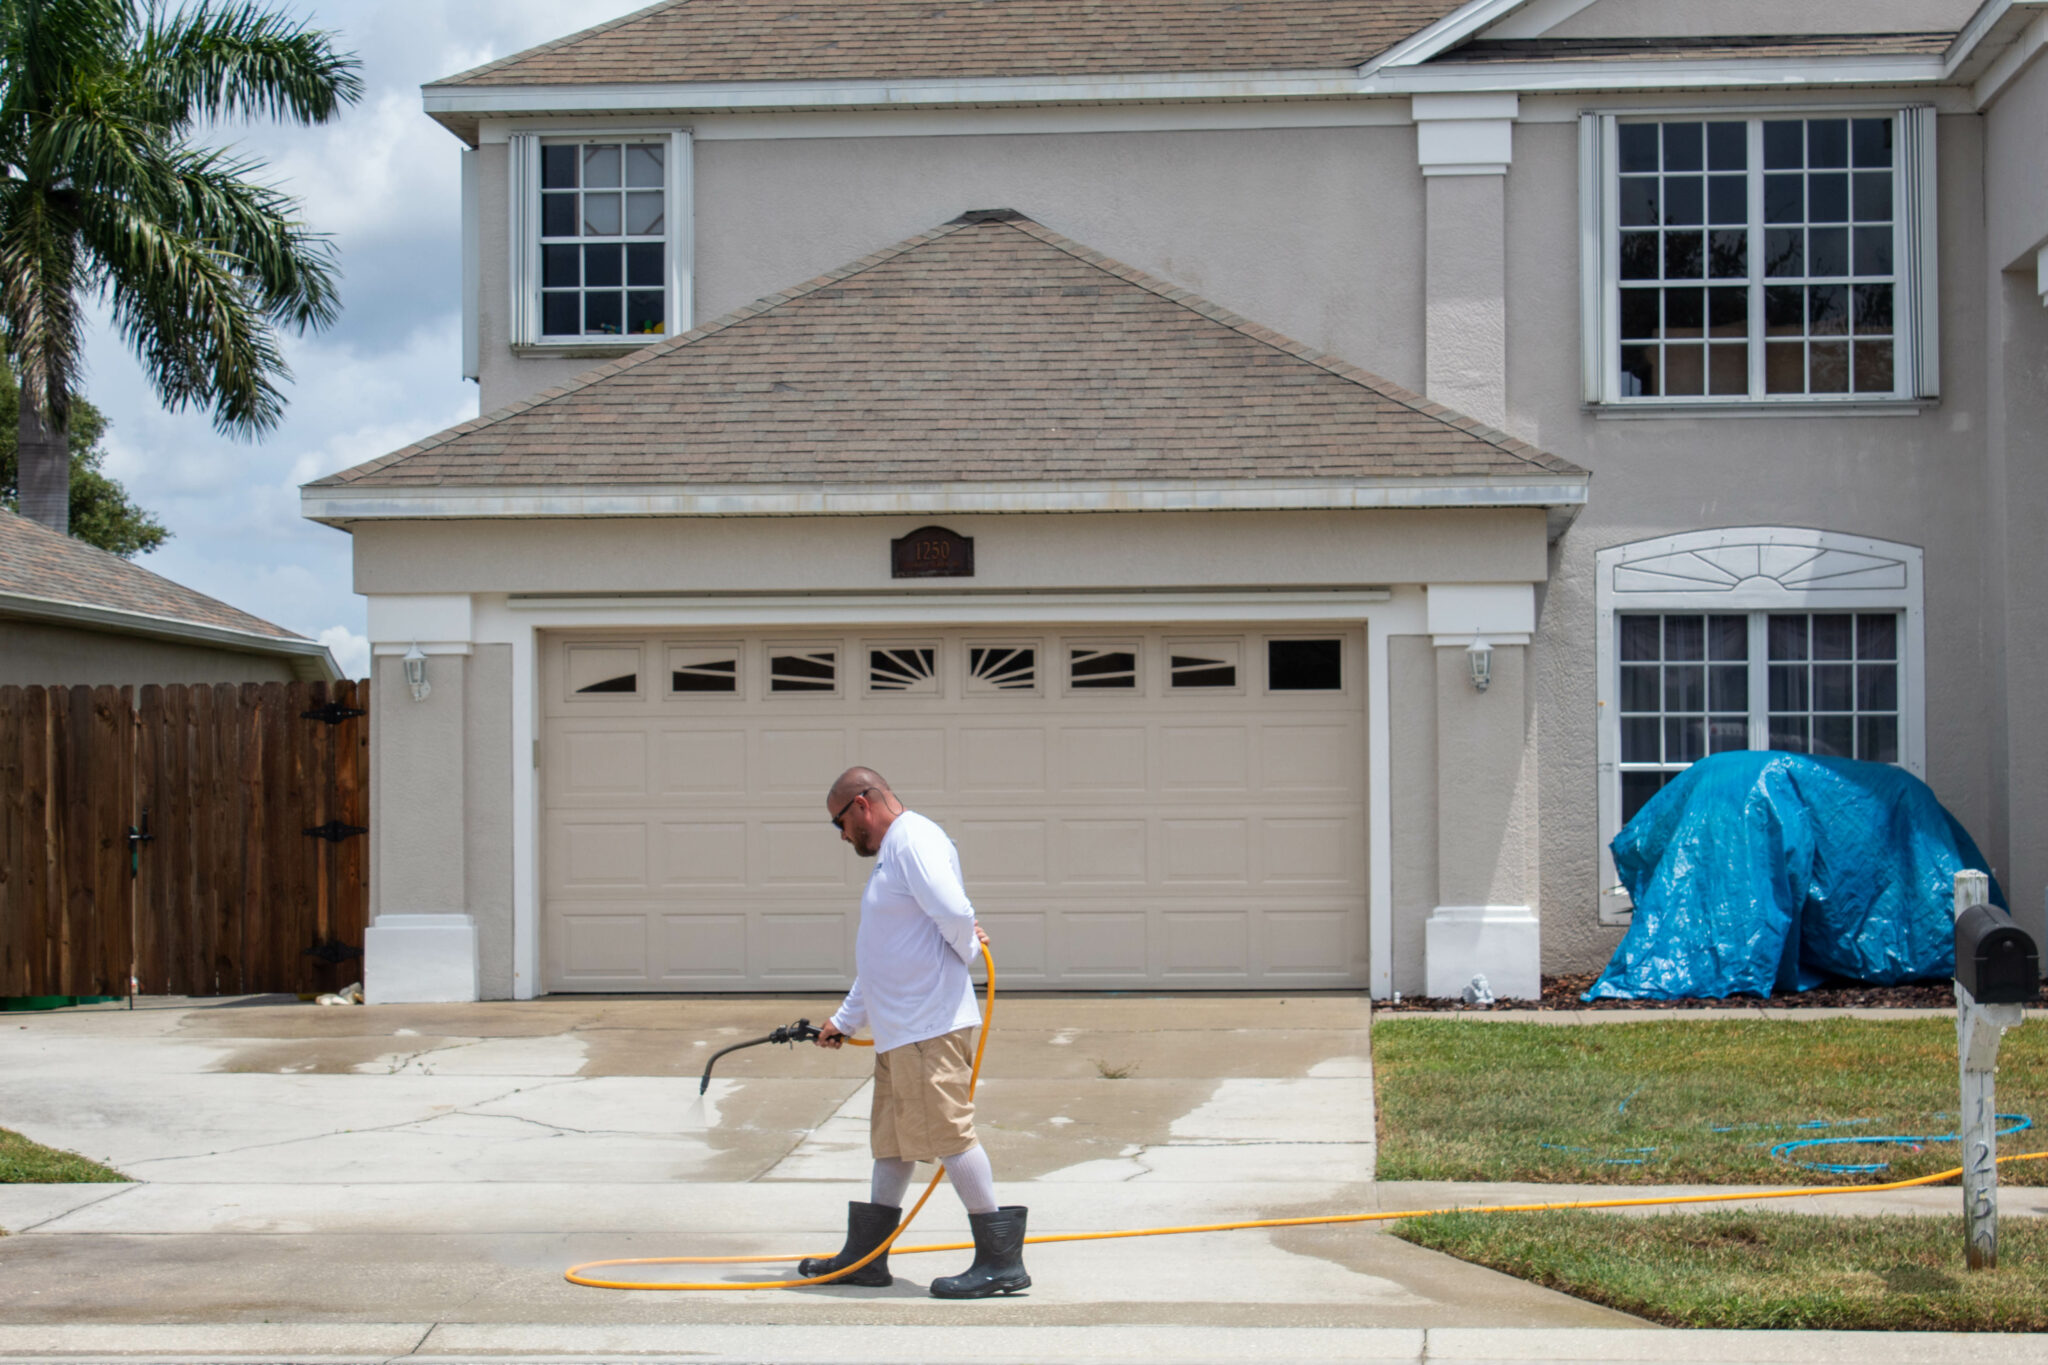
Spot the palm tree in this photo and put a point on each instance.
(102, 196)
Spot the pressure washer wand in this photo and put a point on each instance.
(799, 1032)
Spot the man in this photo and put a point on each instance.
(911, 988)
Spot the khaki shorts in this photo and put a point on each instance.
(922, 1109)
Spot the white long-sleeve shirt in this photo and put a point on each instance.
(916, 939)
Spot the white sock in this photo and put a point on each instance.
(890, 1180)
(972, 1179)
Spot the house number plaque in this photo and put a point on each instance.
(933, 552)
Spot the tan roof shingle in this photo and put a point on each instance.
(38, 562)
(987, 349)
(790, 40)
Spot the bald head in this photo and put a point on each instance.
(853, 780)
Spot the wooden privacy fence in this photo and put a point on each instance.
(206, 840)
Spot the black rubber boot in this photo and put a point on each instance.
(998, 1257)
(867, 1227)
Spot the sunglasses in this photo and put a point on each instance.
(839, 820)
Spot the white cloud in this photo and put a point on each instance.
(350, 650)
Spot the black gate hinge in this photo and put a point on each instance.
(332, 951)
(335, 831)
(333, 712)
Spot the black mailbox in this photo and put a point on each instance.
(1996, 962)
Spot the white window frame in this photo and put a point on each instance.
(1916, 365)
(523, 254)
(1744, 569)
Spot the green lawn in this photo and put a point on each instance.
(1681, 1102)
(30, 1163)
(1763, 1270)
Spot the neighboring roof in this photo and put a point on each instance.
(50, 576)
(787, 40)
(1699, 49)
(988, 351)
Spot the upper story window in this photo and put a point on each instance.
(1759, 259)
(601, 248)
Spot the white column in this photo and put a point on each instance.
(1464, 144)
(421, 945)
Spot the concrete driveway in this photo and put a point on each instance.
(443, 1164)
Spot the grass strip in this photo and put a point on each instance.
(1763, 1270)
(30, 1163)
(1686, 1101)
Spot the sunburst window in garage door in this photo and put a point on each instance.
(704, 668)
(1002, 668)
(1106, 665)
(813, 671)
(604, 670)
(904, 670)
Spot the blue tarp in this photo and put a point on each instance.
(1756, 871)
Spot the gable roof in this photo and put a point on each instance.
(786, 40)
(989, 351)
(48, 576)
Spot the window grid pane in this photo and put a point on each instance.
(603, 239)
(1684, 694)
(1834, 684)
(1789, 264)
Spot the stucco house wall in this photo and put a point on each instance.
(34, 654)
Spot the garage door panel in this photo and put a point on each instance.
(1106, 943)
(1207, 943)
(1007, 758)
(1169, 833)
(602, 947)
(1211, 758)
(1106, 851)
(802, 945)
(1309, 758)
(1205, 851)
(1017, 936)
(701, 950)
(791, 759)
(798, 853)
(919, 755)
(1310, 849)
(1001, 852)
(1307, 942)
(604, 762)
(1103, 758)
(592, 854)
(698, 762)
(703, 855)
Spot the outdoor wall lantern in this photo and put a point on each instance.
(416, 673)
(1479, 656)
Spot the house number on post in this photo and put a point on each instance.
(932, 552)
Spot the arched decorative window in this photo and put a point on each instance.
(1751, 637)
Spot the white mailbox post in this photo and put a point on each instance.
(1996, 959)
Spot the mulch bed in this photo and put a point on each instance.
(1562, 993)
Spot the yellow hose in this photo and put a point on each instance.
(575, 1273)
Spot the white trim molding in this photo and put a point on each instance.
(337, 505)
(1465, 134)
(1750, 569)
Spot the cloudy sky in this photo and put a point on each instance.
(383, 180)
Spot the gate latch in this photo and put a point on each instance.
(138, 835)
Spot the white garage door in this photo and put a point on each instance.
(1150, 807)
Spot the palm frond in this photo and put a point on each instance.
(239, 60)
(194, 319)
(43, 275)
